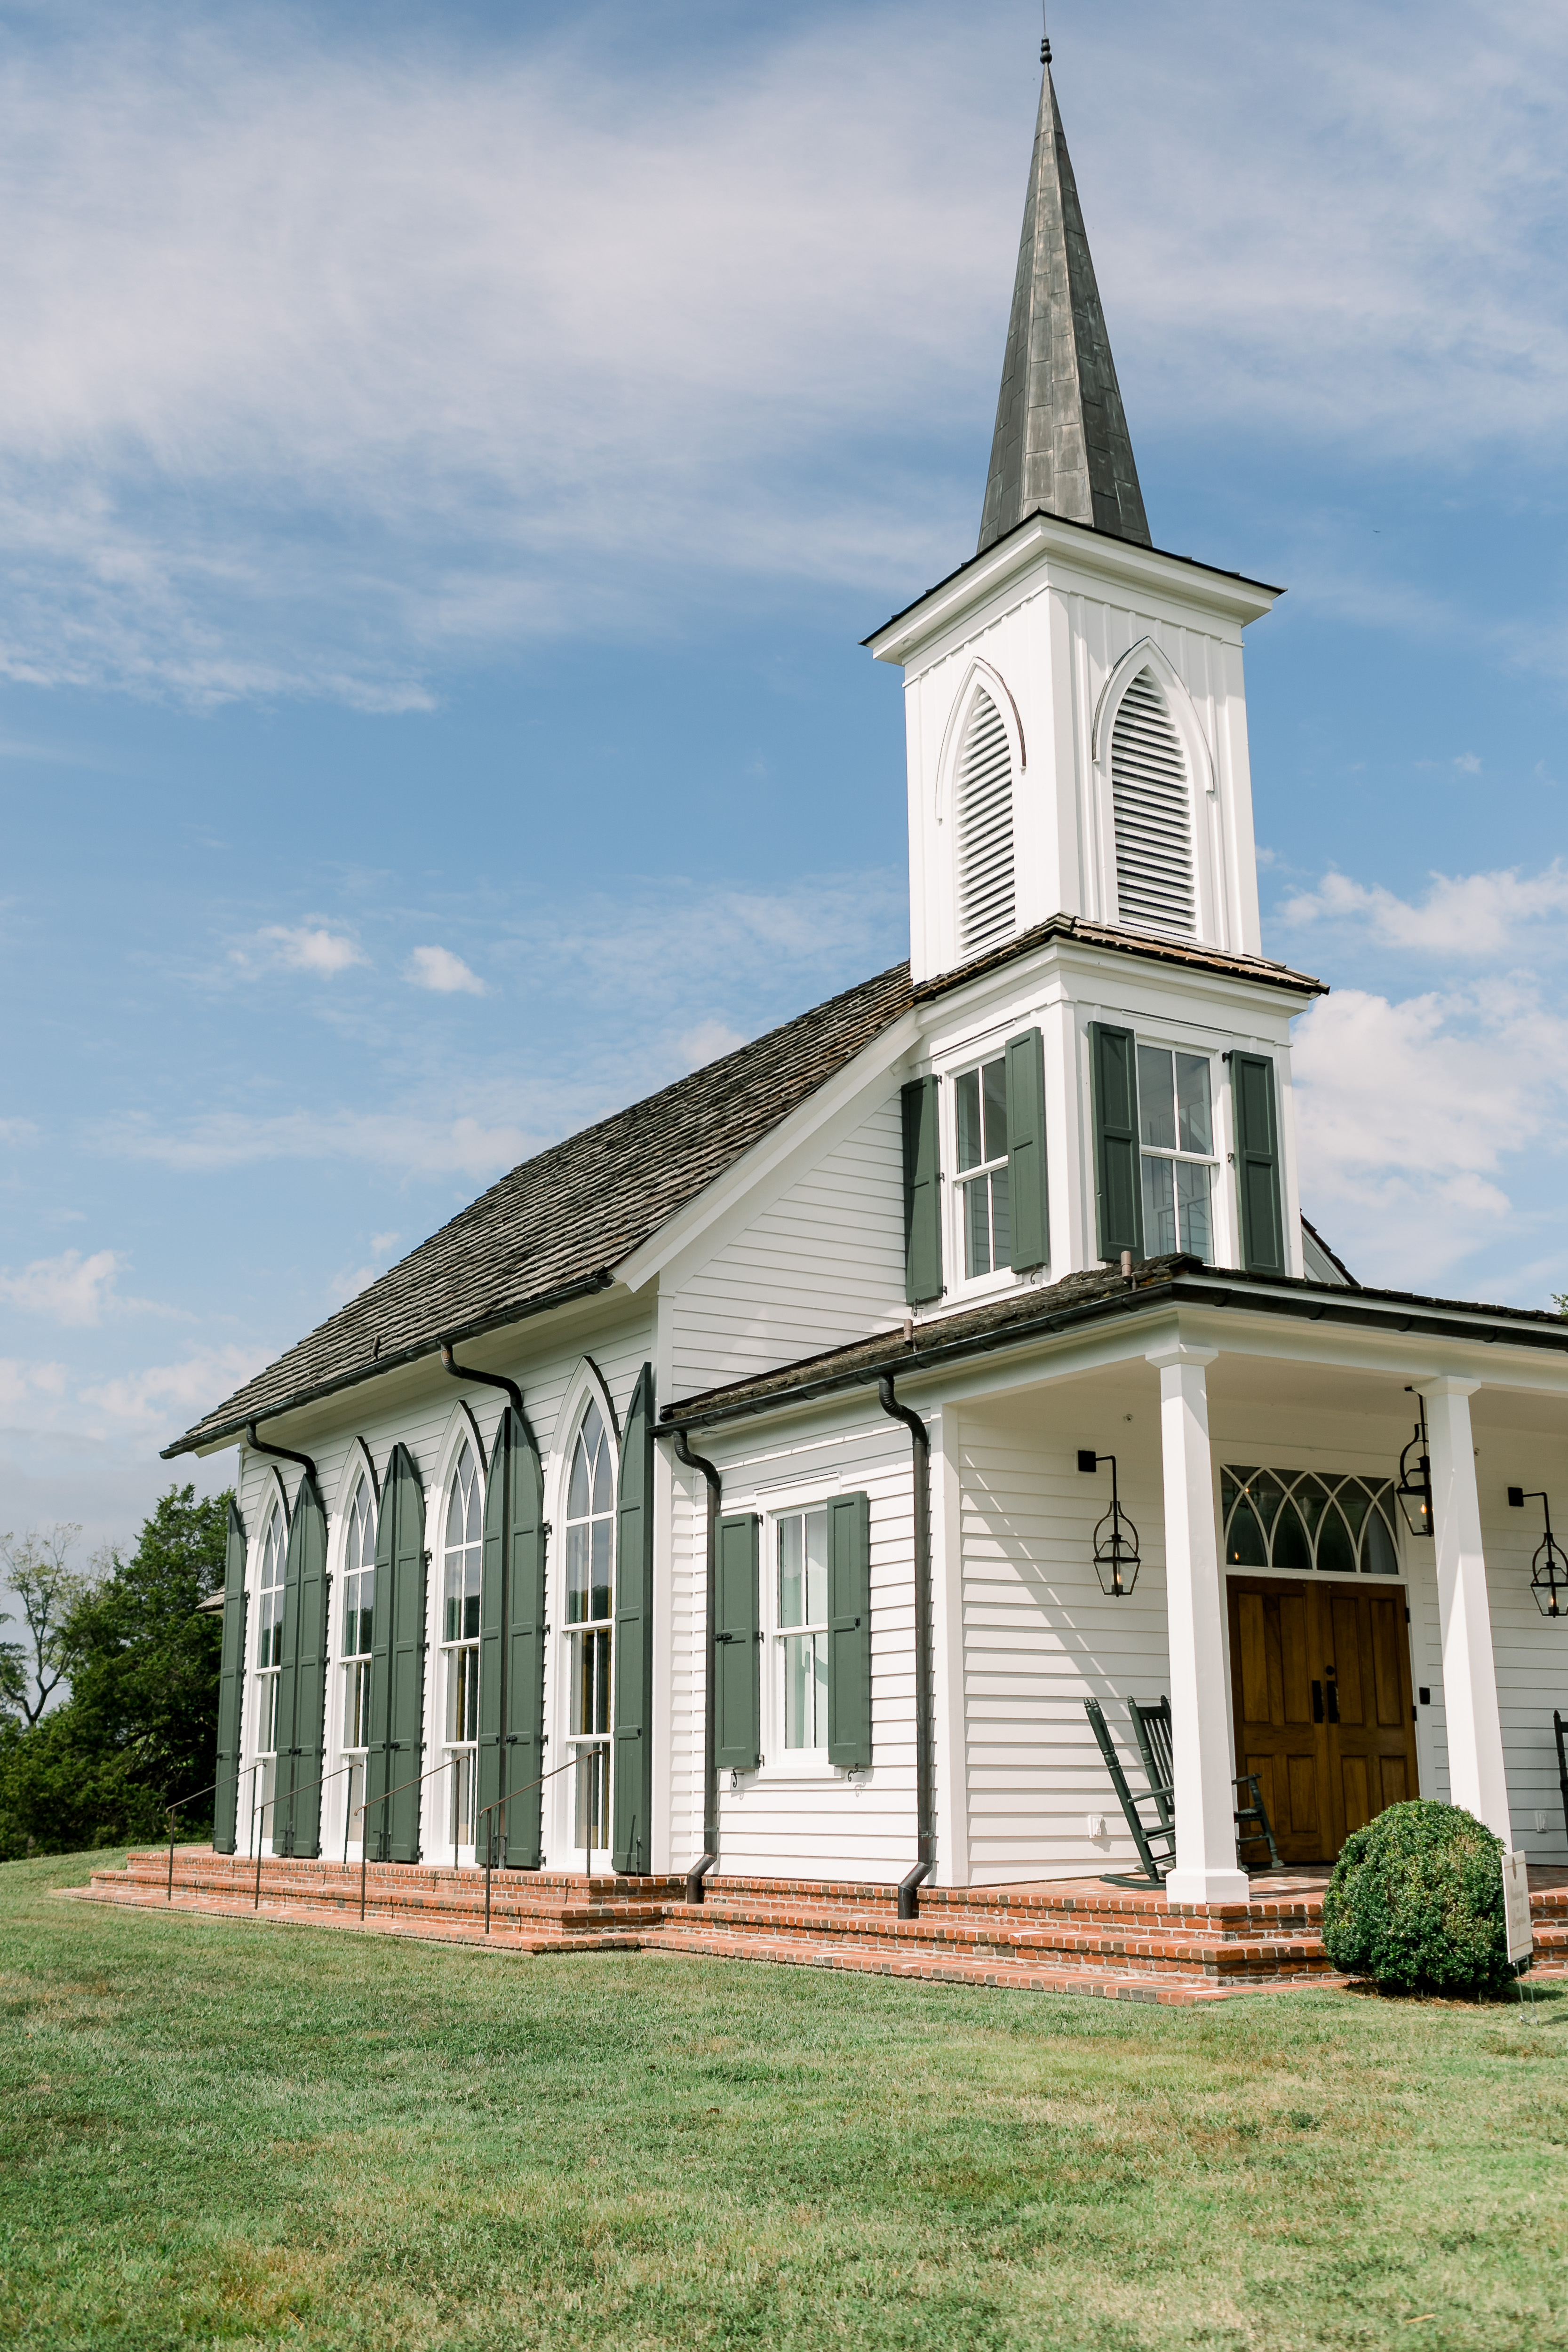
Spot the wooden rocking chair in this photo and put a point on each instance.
(1156, 1840)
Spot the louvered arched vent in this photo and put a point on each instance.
(983, 797)
(1152, 811)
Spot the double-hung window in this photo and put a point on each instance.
(1175, 1127)
(460, 1639)
(984, 1210)
(358, 1626)
(269, 1658)
(801, 1643)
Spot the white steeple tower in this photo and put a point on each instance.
(1082, 867)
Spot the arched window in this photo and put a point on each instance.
(460, 1637)
(1152, 808)
(358, 1628)
(590, 1596)
(982, 814)
(269, 1656)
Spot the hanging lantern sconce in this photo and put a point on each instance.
(1549, 1569)
(1116, 1561)
(1415, 1487)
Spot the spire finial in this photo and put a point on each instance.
(1044, 37)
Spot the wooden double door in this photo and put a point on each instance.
(1320, 1682)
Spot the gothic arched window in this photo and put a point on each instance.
(590, 1603)
(463, 1550)
(1151, 812)
(270, 1654)
(358, 1625)
(983, 826)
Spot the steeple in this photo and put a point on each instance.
(1062, 439)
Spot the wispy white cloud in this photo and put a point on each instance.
(409, 1143)
(160, 1393)
(23, 1384)
(301, 948)
(327, 360)
(18, 1131)
(448, 975)
(708, 1042)
(1478, 918)
(72, 1289)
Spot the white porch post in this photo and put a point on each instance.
(1476, 1778)
(1204, 1799)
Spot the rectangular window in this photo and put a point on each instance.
(981, 1100)
(1175, 1127)
(802, 1638)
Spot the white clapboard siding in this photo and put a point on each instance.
(1152, 805)
(1039, 1637)
(785, 1822)
(821, 1265)
(983, 798)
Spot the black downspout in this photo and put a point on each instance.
(925, 1809)
(281, 1453)
(695, 1876)
(486, 1380)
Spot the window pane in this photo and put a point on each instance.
(472, 1528)
(798, 1691)
(1001, 1221)
(577, 1493)
(1336, 1553)
(970, 1150)
(977, 1226)
(1194, 1123)
(816, 1568)
(601, 1682)
(576, 1575)
(791, 1595)
(819, 1735)
(1193, 1202)
(603, 1498)
(994, 1082)
(602, 1532)
(1156, 1100)
(1159, 1207)
(1377, 1554)
(455, 1500)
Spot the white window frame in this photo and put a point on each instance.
(1216, 1158)
(353, 1666)
(459, 1755)
(960, 1282)
(785, 1767)
(264, 1703)
(588, 1390)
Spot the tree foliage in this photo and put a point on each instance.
(139, 1726)
(37, 1568)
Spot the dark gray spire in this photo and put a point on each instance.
(1061, 438)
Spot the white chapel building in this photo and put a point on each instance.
(728, 1493)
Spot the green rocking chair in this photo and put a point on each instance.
(1156, 1840)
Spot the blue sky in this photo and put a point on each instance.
(448, 458)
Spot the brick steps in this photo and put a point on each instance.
(1056, 1936)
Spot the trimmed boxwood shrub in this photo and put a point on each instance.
(1415, 1903)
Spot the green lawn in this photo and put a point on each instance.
(219, 2132)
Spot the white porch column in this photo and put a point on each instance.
(1476, 1778)
(1204, 1801)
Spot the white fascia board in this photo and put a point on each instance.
(1081, 972)
(861, 1075)
(1068, 559)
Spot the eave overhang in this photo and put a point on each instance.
(1230, 595)
(954, 1340)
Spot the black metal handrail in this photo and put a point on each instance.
(255, 1839)
(179, 1805)
(493, 1807)
(385, 1799)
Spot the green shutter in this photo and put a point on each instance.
(1118, 1179)
(736, 1664)
(302, 1680)
(511, 1647)
(397, 1666)
(631, 1841)
(1257, 1164)
(230, 1688)
(923, 1193)
(849, 1632)
(1028, 1199)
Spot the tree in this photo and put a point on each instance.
(139, 1726)
(38, 1571)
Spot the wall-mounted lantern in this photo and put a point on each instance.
(1415, 1487)
(1549, 1569)
(1116, 1561)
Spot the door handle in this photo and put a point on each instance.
(1334, 1700)
(1316, 1702)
